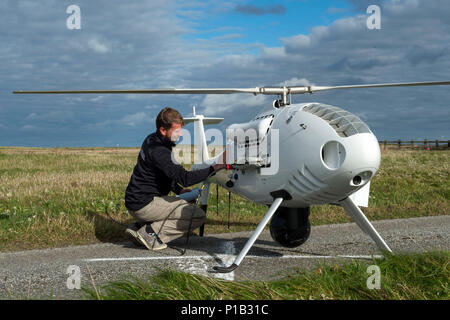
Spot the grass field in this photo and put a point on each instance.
(58, 197)
(402, 277)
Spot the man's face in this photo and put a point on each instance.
(174, 133)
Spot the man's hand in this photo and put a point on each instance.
(188, 190)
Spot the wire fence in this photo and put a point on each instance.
(415, 144)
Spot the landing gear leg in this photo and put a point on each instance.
(276, 203)
(361, 220)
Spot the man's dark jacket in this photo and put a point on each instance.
(155, 174)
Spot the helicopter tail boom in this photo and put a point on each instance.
(199, 132)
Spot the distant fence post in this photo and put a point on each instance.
(425, 143)
(412, 144)
(385, 144)
(399, 143)
(437, 144)
(448, 144)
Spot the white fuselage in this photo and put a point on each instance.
(324, 155)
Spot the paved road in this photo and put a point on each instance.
(43, 273)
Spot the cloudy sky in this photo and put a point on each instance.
(195, 43)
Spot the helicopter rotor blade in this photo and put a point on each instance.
(312, 89)
(150, 91)
(283, 91)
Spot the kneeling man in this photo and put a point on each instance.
(161, 218)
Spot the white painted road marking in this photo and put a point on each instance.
(226, 260)
(370, 257)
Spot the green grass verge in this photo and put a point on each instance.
(402, 277)
(57, 197)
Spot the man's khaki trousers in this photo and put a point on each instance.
(170, 217)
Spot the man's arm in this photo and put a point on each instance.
(162, 160)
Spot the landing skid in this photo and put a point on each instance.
(361, 220)
(273, 208)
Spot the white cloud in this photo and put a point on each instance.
(97, 99)
(215, 105)
(130, 120)
(400, 6)
(98, 47)
(297, 42)
(273, 53)
(230, 36)
(134, 119)
(295, 82)
(152, 106)
(31, 116)
(29, 128)
(319, 32)
(57, 116)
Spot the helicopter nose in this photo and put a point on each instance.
(363, 160)
(363, 152)
(353, 161)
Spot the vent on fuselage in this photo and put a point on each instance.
(343, 122)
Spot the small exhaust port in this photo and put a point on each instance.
(361, 178)
(357, 180)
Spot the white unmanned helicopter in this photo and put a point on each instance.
(289, 157)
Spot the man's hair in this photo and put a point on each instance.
(166, 117)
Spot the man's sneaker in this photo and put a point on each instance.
(150, 240)
(131, 232)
